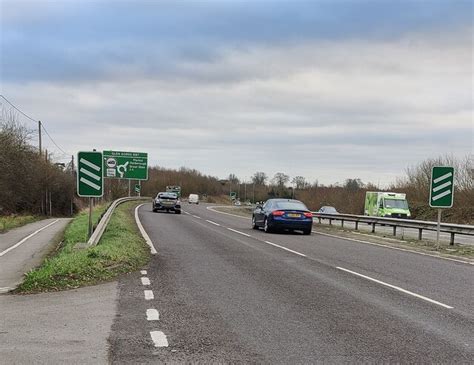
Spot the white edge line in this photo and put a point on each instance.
(396, 288)
(286, 249)
(214, 223)
(225, 206)
(149, 294)
(159, 339)
(5, 290)
(145, 281)
(143, 232)
(393, 248)
(242, 233)
(26, 238)
(143, 272)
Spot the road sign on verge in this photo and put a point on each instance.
(90, 182)
(442, 187)
(137, 188)
(125, 165)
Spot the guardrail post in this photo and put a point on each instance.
(420, 234)
(373, 227)
(356, 225)
(330, 221)
(394, 230)
(319, 218)
(451, 241)
(342, 223)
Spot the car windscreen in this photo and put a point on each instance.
(330, 210)
(290, 206)
(167, 196)
(396, 203)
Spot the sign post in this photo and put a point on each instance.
(138, 188)
(90, 183)
(441, 191)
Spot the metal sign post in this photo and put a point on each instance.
(441, 192)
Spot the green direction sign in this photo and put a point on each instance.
(137, 188)
(442, 187)
(126, 165)
(89, 174)
(233, 195)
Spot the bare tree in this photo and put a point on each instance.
(259, 178)
(280, 179)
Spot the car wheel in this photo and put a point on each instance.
(177, 211)
(254, 223)
(307, 231)
(266, 227)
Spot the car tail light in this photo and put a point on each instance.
(308, 215)
(278, 213)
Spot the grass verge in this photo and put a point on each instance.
(121, 250)
(13, 221)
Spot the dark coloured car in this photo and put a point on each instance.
(168, 202)
(328, 210)
(283, 214)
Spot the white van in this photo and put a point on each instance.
(193, 199)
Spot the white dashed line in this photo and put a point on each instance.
(284, 248)
(186, 213)
(196, 216)
(5, 290)
(149, 294)
(145, 281)
(143, 272)
(242, 233)
(159, 339)
(396, 288)
(152, 315)
(26, 238)
(214, 223)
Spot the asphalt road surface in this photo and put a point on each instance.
(24, 248)
(218, 291)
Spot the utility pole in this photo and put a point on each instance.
(39, 135)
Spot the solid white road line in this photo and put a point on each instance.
(152, 315)
(26, 238)
(196, 216)
(159, 339)
(149, 294)
(284, 248)
(242, 233)
(143, 232)
(145, 281)
(214, 223)
(396, 288)
(5, 290)
(393, 248)
(143, 272)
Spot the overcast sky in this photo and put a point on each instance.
(324, 89)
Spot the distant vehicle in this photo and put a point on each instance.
(167, 201)
(174, 189)
(283, 214)
(237, 202)
(384, 204)
(193, 199)
(328, 210)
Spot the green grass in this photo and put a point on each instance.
(13, 221)
(121, 250)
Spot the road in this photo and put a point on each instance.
(405, 233)
(24, 248)
(218, 291)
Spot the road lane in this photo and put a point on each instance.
(225, 297)
(443, 280)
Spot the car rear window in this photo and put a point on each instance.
(167, 196)
(290, 206)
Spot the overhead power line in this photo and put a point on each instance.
(36, 121)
